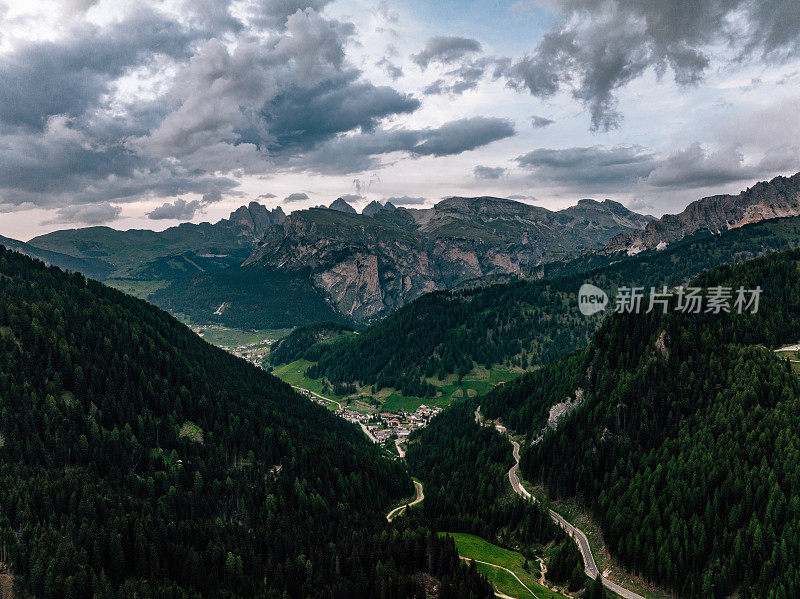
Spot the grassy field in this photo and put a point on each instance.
(294, 374)
(477, 382)
(140, 289)
(473, 547)
(228, 337)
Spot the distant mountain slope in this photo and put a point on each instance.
(523, 324)
(91, 267)
(779, 197)
(136, 460)
(369, 265)
(683, 441)
(250, 297)
(137, 252)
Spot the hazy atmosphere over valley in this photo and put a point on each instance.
(145, 114)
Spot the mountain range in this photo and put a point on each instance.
(779, 197)
(368, 265)
(259, 267)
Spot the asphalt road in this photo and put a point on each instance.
(590, 567)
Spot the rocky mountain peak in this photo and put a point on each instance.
(778, 197)
(342, 206)
(256, 218)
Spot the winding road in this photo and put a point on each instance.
(399, 510)
(590, 567)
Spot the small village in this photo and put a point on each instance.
(383, 426)
(254, 352)
(388, 425)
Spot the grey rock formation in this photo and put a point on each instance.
(370, 264)
(768, 199)
(342, 206)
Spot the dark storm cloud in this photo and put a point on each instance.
(601, 45)
(445, 49)
(583, 167)
(88, 214)
(357, 153)
(180, 209)
(66, 139)
(70, 76)
(296, 197)
(404, 201)
(280, 98)
(66, 164)
(459, 136)
(620, 167)
(695, 167)
(299, 119)
(488, 172)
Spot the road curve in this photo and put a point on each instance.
(399, 510)
(590, 567)
(318, 395)
(525, 586)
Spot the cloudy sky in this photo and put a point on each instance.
(147, 113)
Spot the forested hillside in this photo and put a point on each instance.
(686, 445)
(138, 461)
(465, 470)
(522, 324)
(250, 297)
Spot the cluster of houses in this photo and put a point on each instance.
(387, 424)
(252, 352)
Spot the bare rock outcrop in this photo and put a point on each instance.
(779, 197)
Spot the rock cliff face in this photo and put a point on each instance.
(370, 264)
(342, 206)
(767, 199)
(255, 219)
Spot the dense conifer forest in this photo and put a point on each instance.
(248, 297)
(136, 460)
(464, 467)
(686, 446)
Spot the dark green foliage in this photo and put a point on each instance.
(267, 495)
(595, 589)
(190, 263)
(564, 562)
(522, 324)
(464, 468)
(551, 384)
(300, 341)
(134, 253)
(686, 449)
(255, 297)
